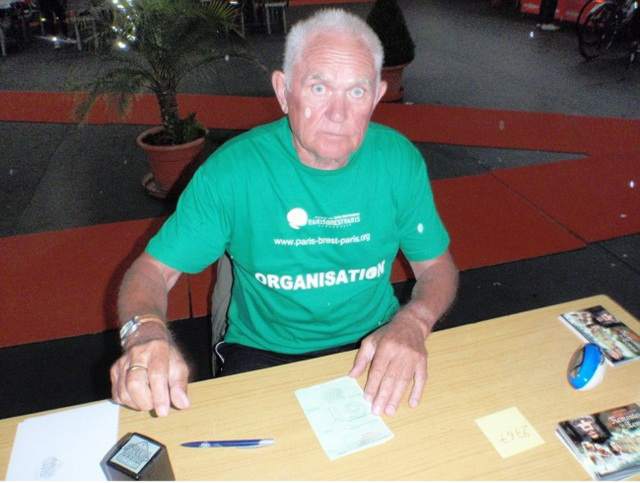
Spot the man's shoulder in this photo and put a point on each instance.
(382, 132)
(265, 133)
(387, 141)
(383, 129)
(244, 151)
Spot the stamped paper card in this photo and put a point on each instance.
(341, 418)
(509, 432)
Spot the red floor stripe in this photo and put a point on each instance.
(596, 198)
(601, 135)
(489, 224)
(436, 124)
(482, 127)
(64, 283)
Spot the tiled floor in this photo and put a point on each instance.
(469, 55)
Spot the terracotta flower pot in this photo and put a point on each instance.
(171, 166)
(393, 76)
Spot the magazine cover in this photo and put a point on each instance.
(596, 324)
(607, 443)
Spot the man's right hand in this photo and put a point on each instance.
(151, 375)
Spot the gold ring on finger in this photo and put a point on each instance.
(135, 367)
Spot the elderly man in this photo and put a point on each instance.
(312, 210)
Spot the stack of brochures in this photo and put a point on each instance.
(599, 326)
(606, 443)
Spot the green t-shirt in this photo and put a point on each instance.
(312, 250)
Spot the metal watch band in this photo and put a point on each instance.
(127, 329)
(132, 325)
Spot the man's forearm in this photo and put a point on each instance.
(434, 291)
(144, 294)
(151, 373)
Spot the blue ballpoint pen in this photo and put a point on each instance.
(233, 443)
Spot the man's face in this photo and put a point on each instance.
(333, 94)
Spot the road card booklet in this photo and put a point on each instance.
(607, 443)
(597, 325)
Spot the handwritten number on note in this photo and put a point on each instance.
(509, 432)
(515, 434)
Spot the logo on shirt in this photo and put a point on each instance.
(298, 218)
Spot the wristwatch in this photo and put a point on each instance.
(134, 324)
(129, 328)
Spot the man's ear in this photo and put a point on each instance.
(382, 88)
(279, 84)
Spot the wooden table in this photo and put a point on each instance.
(475, 370)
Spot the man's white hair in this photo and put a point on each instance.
(329, 20)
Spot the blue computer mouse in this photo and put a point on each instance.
(586, 367)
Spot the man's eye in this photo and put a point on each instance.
(358, 92)
(319, 89)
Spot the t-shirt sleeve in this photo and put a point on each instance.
(423, 236)
(197, 233)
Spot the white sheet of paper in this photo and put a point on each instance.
(341, 418)
(67, 445)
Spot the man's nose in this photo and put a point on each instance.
(337, 107)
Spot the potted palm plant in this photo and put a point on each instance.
(387, 21)
(151, 46)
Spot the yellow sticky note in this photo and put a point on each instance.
(509, 432)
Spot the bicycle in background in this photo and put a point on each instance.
(603, 23)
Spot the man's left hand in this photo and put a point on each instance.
(398, 358)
